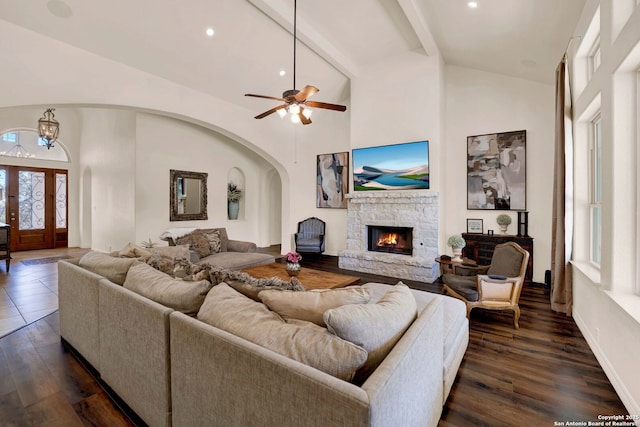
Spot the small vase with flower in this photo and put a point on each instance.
(293, 263)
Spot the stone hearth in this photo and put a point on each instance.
(416, 209)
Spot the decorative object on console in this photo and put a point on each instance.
(233, 200)
(332, 180)
(475, 226)
(48, 127)
(295, 100)
(391, 167)
(523, 224)
(457, 243)
(503, 221)
(496, 172)
(293, 263)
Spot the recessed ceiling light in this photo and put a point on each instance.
(209, 32)
(282, 73)
(472, 4)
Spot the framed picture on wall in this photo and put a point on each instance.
(475, 226)
(496, 171)
(332, 180)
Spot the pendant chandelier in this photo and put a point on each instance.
(48, 127)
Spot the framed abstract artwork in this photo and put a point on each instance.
(496, 171)
(332, 179)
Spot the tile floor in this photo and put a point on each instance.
(29, 292)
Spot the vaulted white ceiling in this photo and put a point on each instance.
(337, 38)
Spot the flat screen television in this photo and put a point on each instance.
(391, 167)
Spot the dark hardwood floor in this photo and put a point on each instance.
(533, 376)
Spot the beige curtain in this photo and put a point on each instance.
(562, 227)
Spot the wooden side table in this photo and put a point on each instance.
(447, 264)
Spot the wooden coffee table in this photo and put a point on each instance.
(310, 278)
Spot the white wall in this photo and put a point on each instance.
(108, 160)
(605, 306)
(163, 143)
(477, 103)
(65, 81)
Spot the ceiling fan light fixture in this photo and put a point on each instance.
(282, 112)
(307, 113)
(295, 119)
(294, 109)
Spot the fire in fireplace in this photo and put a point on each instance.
(395, 240)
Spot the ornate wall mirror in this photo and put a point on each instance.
(188, 195)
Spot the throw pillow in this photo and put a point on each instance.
(305, 342)
(177, 294)
(197, 242)
(134, 251)
(113, 268)
(161, 263)
(375, 327)
(215, 243)
(311, 305)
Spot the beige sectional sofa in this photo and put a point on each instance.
(173, 369)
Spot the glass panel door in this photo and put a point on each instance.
(31, 200)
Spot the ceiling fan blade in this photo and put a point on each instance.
(271, 111)
(303, 119)
(325, 105)
(265, 97)
(306, 93)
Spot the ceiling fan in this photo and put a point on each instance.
(295, 100)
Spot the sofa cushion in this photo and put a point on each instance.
(375, 327)
(177, 294)
(224, 238)
(237, 260)
(113, 268)
(197, 242)
(311, 305)
(175, 252)
(131, 250)
(305, 342)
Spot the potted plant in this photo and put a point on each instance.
(233, 200)
(457, 243)
(503, 221)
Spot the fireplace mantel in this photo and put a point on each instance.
(412, 208)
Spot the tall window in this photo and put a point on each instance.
(595, 198)
(595, 57)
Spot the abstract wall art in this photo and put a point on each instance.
(332, 180)
(496, 171)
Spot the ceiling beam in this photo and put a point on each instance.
(307, 34)
(416, 18)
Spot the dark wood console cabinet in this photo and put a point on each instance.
(479, 247)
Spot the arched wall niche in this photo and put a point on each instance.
(235, 176)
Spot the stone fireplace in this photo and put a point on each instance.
(411, 215)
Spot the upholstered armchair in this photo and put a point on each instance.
(310, 236)
(494, 287)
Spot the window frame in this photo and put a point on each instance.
(595, 190)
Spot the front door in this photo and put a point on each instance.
(36, 207)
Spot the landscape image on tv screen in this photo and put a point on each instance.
(391, 167)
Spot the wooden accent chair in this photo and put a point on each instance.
(492, 287)
(310, 236)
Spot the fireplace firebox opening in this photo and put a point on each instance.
(395, 240)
